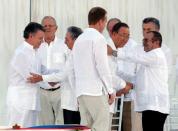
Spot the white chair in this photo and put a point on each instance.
(117, 117)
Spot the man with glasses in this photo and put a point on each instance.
(53, 53)
(120, 37)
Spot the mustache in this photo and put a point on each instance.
(145, 44)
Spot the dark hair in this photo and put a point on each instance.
(153, 20)
(156, 37)
(112, 19)
(96, 14)
(117, 26)
(32, 27)
(74, 31)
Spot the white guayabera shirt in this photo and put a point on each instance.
(66, 77)
(151, 91)
(91, 67)
(53, 57)
(20, 93)
(126, 70)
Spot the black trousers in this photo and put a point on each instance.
(153, 120)
(71, 117)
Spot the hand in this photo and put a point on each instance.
(120, 92)
(111, 98)
(34, 78)
(128, 87)
(110, 50)
(125, 90)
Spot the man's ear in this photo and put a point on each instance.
(99, 22)
(157, 43)
(30, 35)
(56, 27)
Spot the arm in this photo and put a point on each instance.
(60, 75)
(125, 90)
(118, 83)
(129, 73)
(136, 56)
(21, 64)
(102, 66)
(53, 77)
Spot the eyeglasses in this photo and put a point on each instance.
(124, 36)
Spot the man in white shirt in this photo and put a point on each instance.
(69, 103)
(110, 25)
(53, 53)
(151, 90)
(120, 37)
(66, 78)
(153, 24)
(23, 98)
(92, 74)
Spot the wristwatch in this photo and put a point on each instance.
(114, 53)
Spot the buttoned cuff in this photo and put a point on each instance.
(45, 78)
(120, 53)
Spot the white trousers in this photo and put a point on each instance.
(22, 117)
(51, 112)
(94, 111)
(136, 120)
(110, 121)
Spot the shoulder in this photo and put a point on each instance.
(21, 54)
(158, 53)
(166, 49)
(22, 50)
(59, 40)
(131, 43)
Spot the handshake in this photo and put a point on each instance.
(125, 90)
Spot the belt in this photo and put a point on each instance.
(52, 89)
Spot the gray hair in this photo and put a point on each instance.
(48, 17)
(74, 31)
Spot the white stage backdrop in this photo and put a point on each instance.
(15, 14)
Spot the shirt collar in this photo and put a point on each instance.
(54, 41)
(91, 29)
(28, 45)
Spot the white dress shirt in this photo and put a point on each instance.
(117, 82)
(127, 67)
(66, 77)
(91, 67)
(20, 93)
(168, 54)
(53, 56)
(126, 70)
(151, 91)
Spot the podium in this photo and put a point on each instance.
(53, 127)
